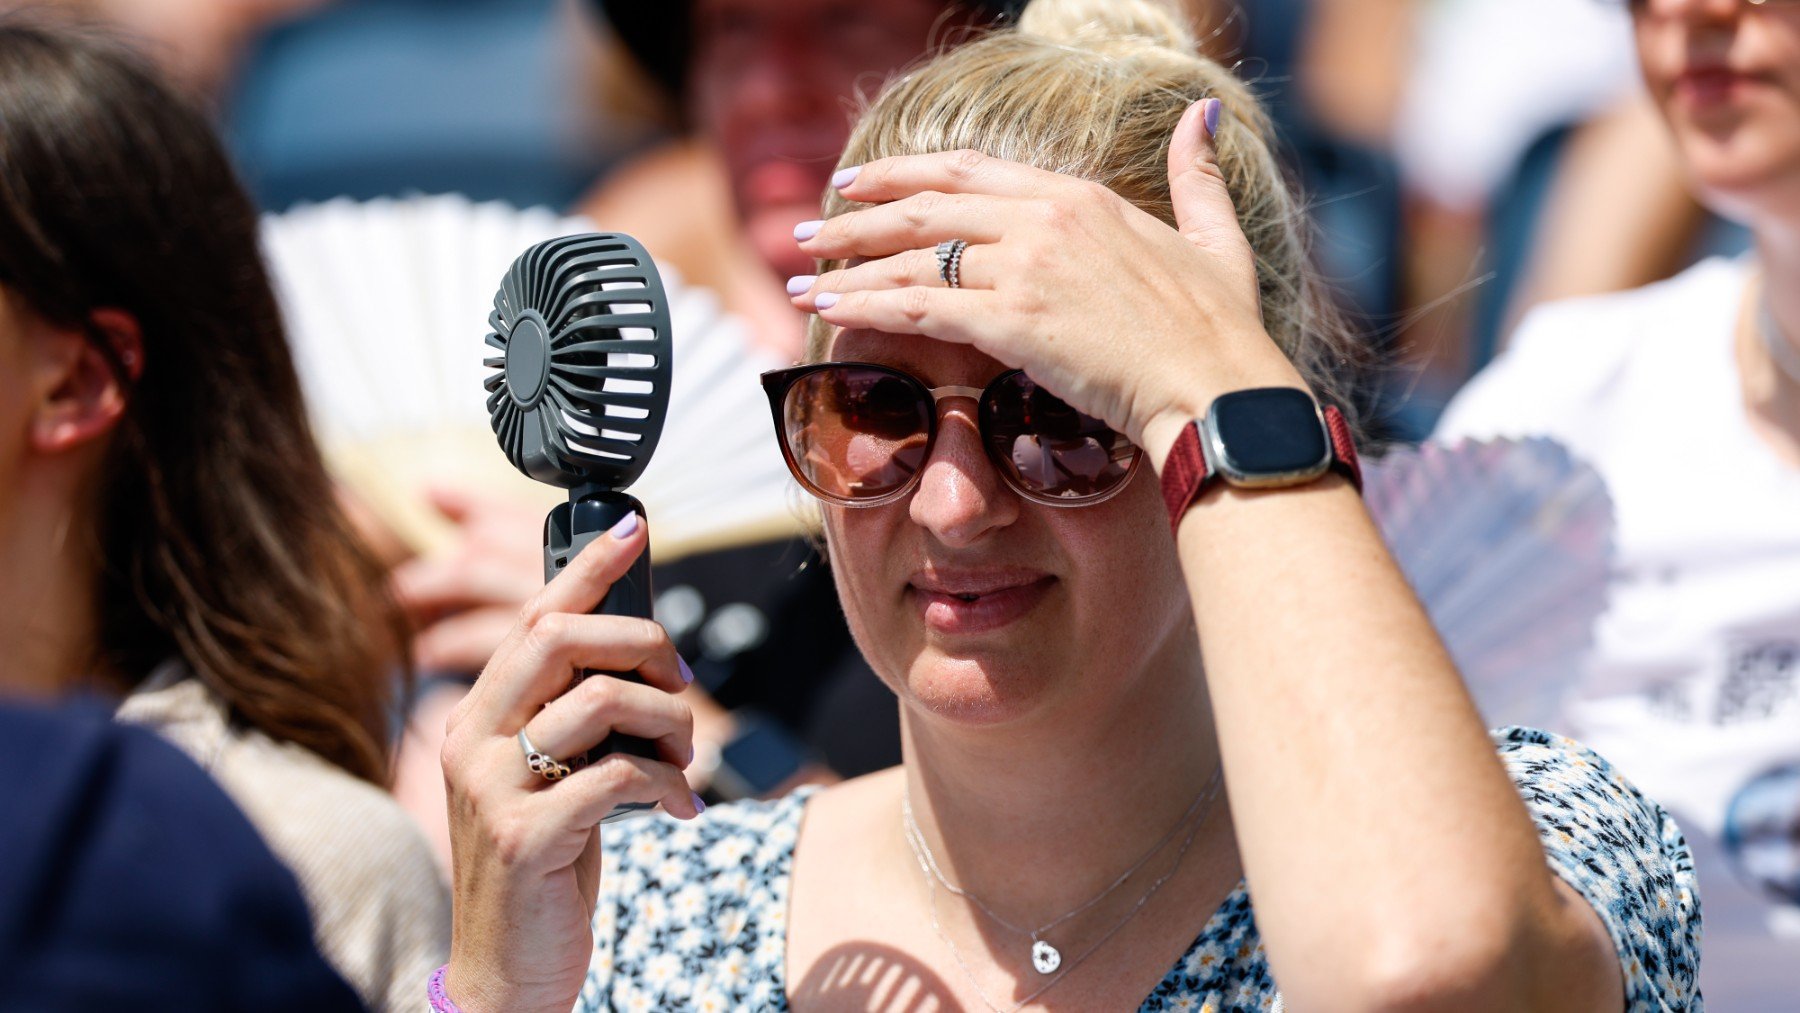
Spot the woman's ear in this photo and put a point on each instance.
(84, 388)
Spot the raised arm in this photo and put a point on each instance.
(526, 850)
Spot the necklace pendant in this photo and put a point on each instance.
(1045, 958)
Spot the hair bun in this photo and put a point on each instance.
(1102, 24)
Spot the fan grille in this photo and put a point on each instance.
(581, 324)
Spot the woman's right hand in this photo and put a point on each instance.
(525, 850)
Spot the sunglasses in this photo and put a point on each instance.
(858, 435)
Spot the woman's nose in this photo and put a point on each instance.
(961, 498)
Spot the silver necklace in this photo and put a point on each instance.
(1046, 958)
(1786, 357)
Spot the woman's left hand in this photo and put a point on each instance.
(1121, 316)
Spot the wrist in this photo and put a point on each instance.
(439, 996)
(1257, 438)
(1196, 395)
(1162, 431)
(459, 988)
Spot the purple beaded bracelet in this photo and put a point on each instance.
(440, 1000)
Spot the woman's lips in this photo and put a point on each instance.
(946, 611)
(1707, 86)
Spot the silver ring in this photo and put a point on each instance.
(542, 763)
(949, 261)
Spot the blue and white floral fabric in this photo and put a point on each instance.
(693, 916)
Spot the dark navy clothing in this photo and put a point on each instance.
(129, 881)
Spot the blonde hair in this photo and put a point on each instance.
(1094, 89)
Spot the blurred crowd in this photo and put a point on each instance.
(1468, 163)
(1465, 160)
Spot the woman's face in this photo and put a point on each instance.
(984, 608)
(1726, 76)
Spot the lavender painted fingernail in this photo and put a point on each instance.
(687, 674)
(799, 283)
(692, 752)
(626, 527)
(844, 177)
(807, 230)
(826, 300)
(1213, 108)
(699, 804)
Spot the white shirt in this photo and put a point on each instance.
(1693, 690)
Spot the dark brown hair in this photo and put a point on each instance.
(220, 538)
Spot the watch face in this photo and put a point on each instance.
(1268, 435)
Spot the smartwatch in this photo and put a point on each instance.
(1263, 438)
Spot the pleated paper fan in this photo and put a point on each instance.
(387, 304)
(1509, 545)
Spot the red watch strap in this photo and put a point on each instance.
(1185, 474)
(1343, 447)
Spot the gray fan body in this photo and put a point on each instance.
(582, 327)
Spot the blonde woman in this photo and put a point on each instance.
(1141, 772)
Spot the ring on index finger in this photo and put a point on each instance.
(949, 261)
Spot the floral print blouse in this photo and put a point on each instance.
(693, 916)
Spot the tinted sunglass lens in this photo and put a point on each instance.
(1048, 448)
(856, 433)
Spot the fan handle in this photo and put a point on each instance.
(568, 530)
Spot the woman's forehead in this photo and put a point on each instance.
(933, 361)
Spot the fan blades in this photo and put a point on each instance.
(1509, 545)
(582, 324)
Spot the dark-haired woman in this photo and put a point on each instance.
(168, 533)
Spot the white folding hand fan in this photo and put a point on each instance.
(1509, 545)
(387, 305)
(387, 301)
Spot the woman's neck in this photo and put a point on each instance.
(1771, 393)
(48, 618)
(1037, 820)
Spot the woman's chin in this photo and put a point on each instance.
(974, 692)
(1744, 177)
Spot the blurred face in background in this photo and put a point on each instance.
(1726, 75)
(772, 87)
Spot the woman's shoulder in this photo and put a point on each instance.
(1567, 357)
(297, 799)
(1623, 853)
(694, 913)
(380, 906)
(1600, 328)
(1702, 288)
(751, 840)
(1570, 782)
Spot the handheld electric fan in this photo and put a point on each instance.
(582, 327)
